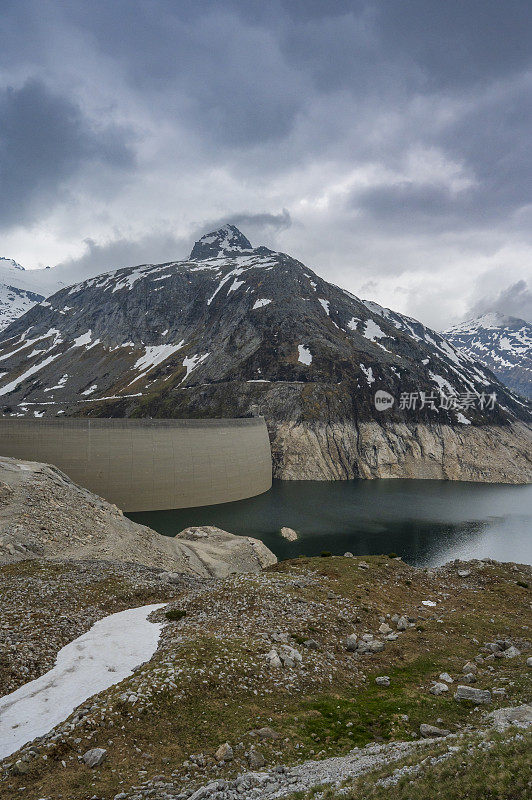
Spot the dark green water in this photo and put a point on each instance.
(425, 522)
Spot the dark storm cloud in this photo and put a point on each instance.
(514, 301)
(258, 222)
(160, 246)
(155, 248)
(422, 108)
(44, 140)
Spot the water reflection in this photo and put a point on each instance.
(425, 522)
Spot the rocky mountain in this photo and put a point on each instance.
(236, 330)
(504, 344)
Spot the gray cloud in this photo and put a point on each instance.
(514, 301)
(155, 248)
(395, 134)
(159, 246)
(45, 140)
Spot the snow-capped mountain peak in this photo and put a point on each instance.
(500, 342)
(10, 263)
(226, 241)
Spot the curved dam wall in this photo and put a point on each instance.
(148, 464)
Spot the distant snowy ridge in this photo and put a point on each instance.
(501, 343)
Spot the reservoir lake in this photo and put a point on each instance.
(427, 523)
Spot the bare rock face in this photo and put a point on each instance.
(44, 514)
(322, 451)
(217, 553)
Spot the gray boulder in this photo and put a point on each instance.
(95, 757)
(289, 534)
(224, 752)
(470, 693)
(430, 731)
(511, 652)
(351, 642)
(438, 688)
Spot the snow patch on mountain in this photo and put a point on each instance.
(304, 355)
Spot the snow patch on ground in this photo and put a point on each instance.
(93, 662)
(83, 340)
(192, 362)
(59, 385)
(31, 371)
(325, 305)
(444, 384)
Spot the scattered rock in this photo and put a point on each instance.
(95, 757)
(464, 573)
(382, 680)
(289, 655)
(224, 752)
(519, 715)
(402, 623)
(348, 555)
(273, 659)
(470, 693)
(289, 534)
(266, 733)
(351, 642)
(438, 688)
(311, 644)
(446, 677)
(511, 652)
(430, 731)
(255, 759)
(384, 628)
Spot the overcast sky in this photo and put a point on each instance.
(385, 143)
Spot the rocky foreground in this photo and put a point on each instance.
(311, 674)
(44, 514)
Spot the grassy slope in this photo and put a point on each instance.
(214, 657)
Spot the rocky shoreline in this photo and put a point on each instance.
(346, 449)
(44, 514)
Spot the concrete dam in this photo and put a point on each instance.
(150, 464)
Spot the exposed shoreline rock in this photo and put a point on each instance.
(344, 450)
(44, 514)
(289, 534)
